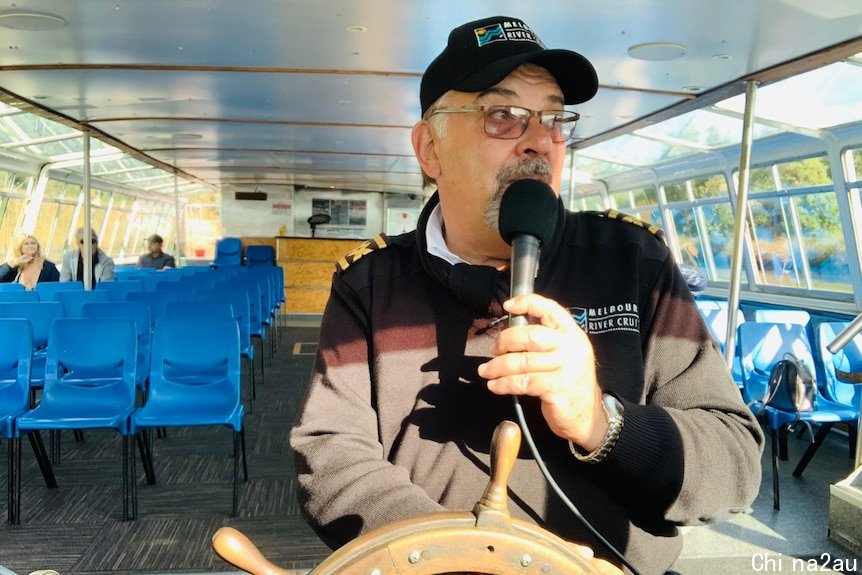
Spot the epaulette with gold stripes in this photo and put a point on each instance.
(617, 215)
(378, 242)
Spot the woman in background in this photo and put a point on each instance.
(28, 266)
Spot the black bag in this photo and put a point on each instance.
(791, 386)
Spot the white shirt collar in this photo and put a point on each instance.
(434, 238)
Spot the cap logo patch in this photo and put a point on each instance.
(510, 30)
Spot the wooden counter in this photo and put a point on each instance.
(308, 265)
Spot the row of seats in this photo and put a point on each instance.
(762, 343)
(228, 252)
(90, 380)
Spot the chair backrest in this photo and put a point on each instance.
(185, 289)
(228, 252)
(48, 289)
(195, 361)
(11, 286)
(91, 361)
(18, 296)
(715, 314)
(259, 256)
(198, 309)
(41, 315)
(761, 345)
(847, 360)
(238, 300)
(16, 348)
(254, 301)
(117, 289)
(799, 316)
(157, 300)
(72, 301)
(138, 312)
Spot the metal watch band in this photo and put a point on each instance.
(615, 427)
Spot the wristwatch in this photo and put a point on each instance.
(614, 413)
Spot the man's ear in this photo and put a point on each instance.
(425, 148)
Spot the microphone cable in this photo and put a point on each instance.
(522, 421)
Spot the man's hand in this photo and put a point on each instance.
(552, 360)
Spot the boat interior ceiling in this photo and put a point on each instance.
(267, 94)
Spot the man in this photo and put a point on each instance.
(628, 398)
(156, 258)
(72, 268)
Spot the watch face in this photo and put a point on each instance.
(612, 404)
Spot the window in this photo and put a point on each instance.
(797, 238)
(641, 203)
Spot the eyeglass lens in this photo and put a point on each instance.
(511, 122)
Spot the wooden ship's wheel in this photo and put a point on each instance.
(485, 542)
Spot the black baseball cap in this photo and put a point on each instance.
(481, 53)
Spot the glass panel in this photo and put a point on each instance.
(13, 183)
(641, 203)
(824, 97)
(592, 202)
(676, 192)
(11, 219)
(785, 256)
(804, 173)
(62, 231)
(857, 164)
(688, 234)
(718, 239)
(711, 187)
(704, 128)
(633, 151)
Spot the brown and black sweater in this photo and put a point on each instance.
(397, 423)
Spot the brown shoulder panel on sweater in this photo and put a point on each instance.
(378, 242)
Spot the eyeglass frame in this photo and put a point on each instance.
(570, 116)
(92, 241)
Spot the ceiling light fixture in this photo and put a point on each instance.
(183, 136)
(355, 28)
(692, 89)
(657, 51)
(31, 21)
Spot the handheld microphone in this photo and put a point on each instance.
(528, 218)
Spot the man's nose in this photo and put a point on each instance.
(536, 139)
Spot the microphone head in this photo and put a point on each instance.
(528, 207)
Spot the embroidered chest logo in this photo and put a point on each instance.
(605, 319)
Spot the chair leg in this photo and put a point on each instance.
(55, 445)
(79, 435)
(133, 484)
(776, 504)
(125, 478)
(782, 446)
(852, 434)
(42, 459)
(146, 452)
(819, 438)
(11, 476)
(235, 474)
(244, 462)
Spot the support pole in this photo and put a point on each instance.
(87, 248)
(177, 220)
(739, 226)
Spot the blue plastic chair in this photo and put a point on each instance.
(90, 384)
(761, 346)
(238, 300)
(198, 309)
(138, 312)
(843, 371)
(73, 301)
(18, 296)
(11, 286)
(16, 343)
(228, 252)
(118, 289)
(259, 256)
(798, 316)
(47, 290)
(42, 316)
(195, 381)
(185, 290)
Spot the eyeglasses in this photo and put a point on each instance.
(81, 242)
(510, 122)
